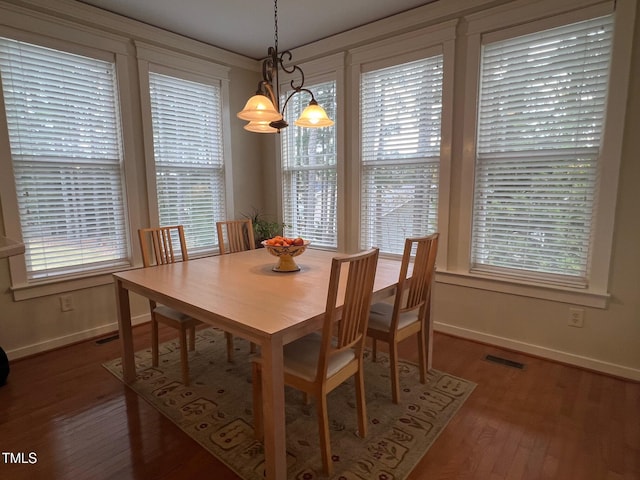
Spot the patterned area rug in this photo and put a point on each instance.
(216, 411)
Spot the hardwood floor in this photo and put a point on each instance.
(547, 421)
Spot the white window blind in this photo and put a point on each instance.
(541, 113)
(309, 171)
(63, 120)
(189, 157)
(401, 109)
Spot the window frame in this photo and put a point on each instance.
(104, 47)
(164, 62)
(511, 21)
(423, 43)
(373, 230)
(330, 68)
(289, 172)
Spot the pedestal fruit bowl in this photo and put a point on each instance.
(285, 248)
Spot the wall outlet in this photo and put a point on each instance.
(576, 317)
(66, 303)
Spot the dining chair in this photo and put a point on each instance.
(410, 311)
(235, 236)
(158, 246)
(319, 362)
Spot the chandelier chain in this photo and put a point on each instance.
(275, 21)
(264, 114)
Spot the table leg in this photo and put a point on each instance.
(275, 452)
(126, 335)
(429, 333)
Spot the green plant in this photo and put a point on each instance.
(263, 227)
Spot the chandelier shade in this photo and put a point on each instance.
(259, 109)
(313, 116)
(263, 111)
(260, 127)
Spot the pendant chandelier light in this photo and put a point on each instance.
(262, 111)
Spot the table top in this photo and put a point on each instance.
(240, 293)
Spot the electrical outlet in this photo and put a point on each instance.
(66, 303)
(576, 317)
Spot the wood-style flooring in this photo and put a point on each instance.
(547, 421)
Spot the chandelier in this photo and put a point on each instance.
(262, 111)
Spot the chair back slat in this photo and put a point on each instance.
(235, 236)
(157, 245)
(418, 284)
(351, 276)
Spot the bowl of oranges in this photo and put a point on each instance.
(285, 248)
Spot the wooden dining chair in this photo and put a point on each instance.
(235, 236)
(158, 246)
(319, 362)
(410, 311)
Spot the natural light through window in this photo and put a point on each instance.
(401, 109)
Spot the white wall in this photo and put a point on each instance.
(610, 339)
(35, 325)
(608, 342)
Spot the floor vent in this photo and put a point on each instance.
(504, 361)
(107, 339)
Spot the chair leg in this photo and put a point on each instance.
(229, 338)
(374, 350)
(422, 354)
(395, 374)
(360, 401)
(192, 338)
(154, 342)
(257, 401)
(323, 426)
(184, 356)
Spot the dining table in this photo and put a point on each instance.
(241, 294)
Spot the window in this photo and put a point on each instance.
(540, 121)
(401, 108)
(188, 155)
(309, 171)
(64, 133)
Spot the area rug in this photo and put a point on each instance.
(216, 411)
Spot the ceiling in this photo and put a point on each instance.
(247, 26)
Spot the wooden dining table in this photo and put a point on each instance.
(242, 295)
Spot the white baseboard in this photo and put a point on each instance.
(543, 352)
(69, 339)
(536, 350)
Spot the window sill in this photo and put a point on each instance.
(9, 247)
(54, 287)
(574, 296)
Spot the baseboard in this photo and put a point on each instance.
(542, 352)
(76, 337)
(535, 350)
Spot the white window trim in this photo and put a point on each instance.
(160, 60)
(434, 40)
(105, 46)
(330, 68)
(515, 20)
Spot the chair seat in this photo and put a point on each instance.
(301, 357)
(380, 317)
(172, 314)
